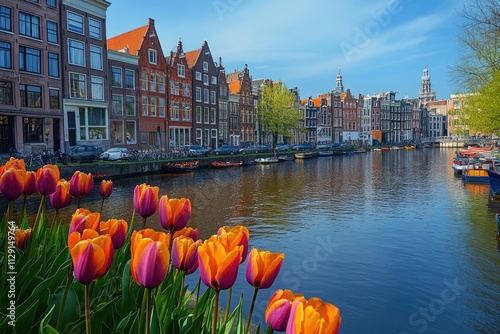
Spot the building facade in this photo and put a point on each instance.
(240, 84)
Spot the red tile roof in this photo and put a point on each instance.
(192, 57)
(131, 39)
(235, 87)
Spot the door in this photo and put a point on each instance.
(56, 133)
(6, 133)
(71, 128)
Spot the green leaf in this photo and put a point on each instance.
(25, 317)
(44, 327)
(72, 310)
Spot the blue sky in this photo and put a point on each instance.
(380, 45)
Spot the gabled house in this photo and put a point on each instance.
(223, 104)
(240, 85)
(205, 97)
(180, 102)
(351, 117)
(152, 119)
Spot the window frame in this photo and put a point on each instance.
(5, 18)
(8, 53)
(92, 34)
(153, 56)
(32, 129)
(129, 78)
(25, 62)
(84, 85)
(52, 106)
(52, 32)
(51, 66)
(114, 77)
(93, 48)
(117, 105)
(130, 101)
(79, 24)
(181, 71)
(73, 49)
(30, 95)
(94, 84)
(6, 93)
(29, 28)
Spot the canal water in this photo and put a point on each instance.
(394, 239)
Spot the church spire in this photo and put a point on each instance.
(339, 88)
(426, 94)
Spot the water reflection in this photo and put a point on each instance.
(376, 234)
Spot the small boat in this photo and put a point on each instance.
(385, 148)
(180, 167)
(225, 164)
(325, 153)
(287, 157)
(268, 160)
(475, 175)
(409, 147)
(459, 164)
(305, 155)
(494, 181)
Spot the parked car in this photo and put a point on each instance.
(196, 150)
(282, 147)
(82, 153)
(302, 147)
(116, 153)
(226, 149)
(254, 149)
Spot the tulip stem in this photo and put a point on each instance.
(228, 305)
(23, 207)
(65, 295)
(102, 204)
(87, 309)
(6, 247)
(54, 219)
(148, 310)
(251, 309)
(216, 308)
(181, 295)
(144, 222)
(79, 202)
(40, 209)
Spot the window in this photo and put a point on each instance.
(144, 81)
(95, 57)
(32, 130)
(144, 106)
(198, 94)
(205, 79)
(174, 113)
(206, 119)
(152, 56)
(205, 66)
(54, 98)
(5, 20)
(153, 106)
(75, 23)
(29, 60)
(198, 75)
(6, 93)
(130, 128)
(77, 85)
(5, 55)
(29, 25)
(152, 83)
(161, 84)
(199, 135)
(186, 113)
(212, 116)
(130, 105)
(97, 88)
(205, 95)
(161, 101)
(187, 90)
(116, 77)
(214, 80)
(198, 114)
(31, 96)
(206, 137)
(117, 104)
(117, 136)
(181, 71)
(53, 64)
(51, 3)
(94, 28)
(212, 97)
(93, 123)
(52, 32)
(129, 79)
(76, 52)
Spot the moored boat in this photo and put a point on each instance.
(305, 155)
(325, 153)
(225, 164)
(268, 160)
(286, 157)
(494, 181)
(475, 175)
(180, 167)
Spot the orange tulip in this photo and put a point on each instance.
(313, 316)
(92, 255)
(233, 236)
(81, 184)
(15, 163)
(188, 232)
(263, 268)
(61, 197)
(29, 183)
(279, 307)
(174, 213)
(46, 179)
(21, 238)
(84, 219)
(146, 200)
(218, 265)
(106, 188)
(117, 229)
(185, 254)
(12, 183)
(150, 257)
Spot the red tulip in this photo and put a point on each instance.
(150, 257)
(185, 254)
(29, 183)
(218, 265)
(81, 184)
(12, 183)
(117, 230)
(146, 200)
(46, 179)
(83, 219)
(278, 309)
(92, 255)
(263, 268)
(188, 232)
(21, 238)
(61, 197)
(313, 316)
(174, 213)
(106, 188)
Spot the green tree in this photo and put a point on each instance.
(277, 111)
(478, 68)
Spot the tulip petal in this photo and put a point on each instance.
(150, 263)
(87, 261)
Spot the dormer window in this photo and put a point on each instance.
(152, 56)
(181, 72)
(205, 66)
